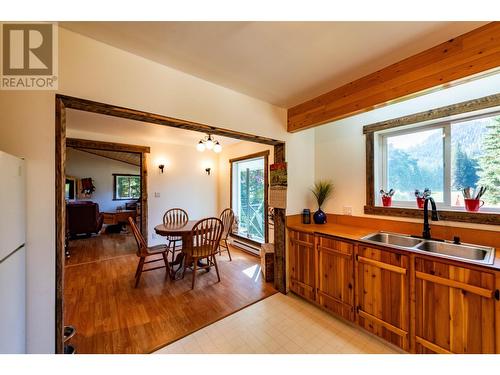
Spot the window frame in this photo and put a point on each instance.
(444, 117)
(382, 149)
(115, 178)
(265, 155)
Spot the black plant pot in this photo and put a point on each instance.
(319, 217)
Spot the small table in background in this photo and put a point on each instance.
(119, 217)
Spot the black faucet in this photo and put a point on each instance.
(434, 216)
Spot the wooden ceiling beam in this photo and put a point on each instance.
(449, 63)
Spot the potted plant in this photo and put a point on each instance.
(322, 191)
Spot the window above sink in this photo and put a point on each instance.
(445, 150)
(444, 157)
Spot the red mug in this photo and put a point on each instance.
(386, 201)
(420, 202)
(472, 205)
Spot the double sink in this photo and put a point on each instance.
(445, 249)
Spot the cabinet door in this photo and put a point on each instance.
(335, 276)
(454, 309)
(302, 264)
(382, 284)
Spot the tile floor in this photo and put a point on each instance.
(280, 324)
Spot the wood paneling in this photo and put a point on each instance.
(279, 232)
(144, 195)
(445, 64)
(60, 198)
(454, 309)
(370, 168)
(383, 301)
(111, 316)
(335, 276)
(302, 265)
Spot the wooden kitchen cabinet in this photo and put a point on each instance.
(382, 294)
(454, 308)
(302, 264)
(335, 276)
(421, 303)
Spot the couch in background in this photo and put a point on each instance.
(83, 217)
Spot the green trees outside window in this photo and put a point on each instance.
(127, 187)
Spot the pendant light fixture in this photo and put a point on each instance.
(209, 143)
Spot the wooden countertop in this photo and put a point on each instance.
(355, 233)
(337, 230)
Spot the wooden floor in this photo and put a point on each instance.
(110, 316)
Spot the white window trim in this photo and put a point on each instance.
(380, 159)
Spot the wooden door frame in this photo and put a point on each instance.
(62, 103)
(77, 143)
(265, 155)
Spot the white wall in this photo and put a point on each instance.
(81, 164)
(340, 145)
(95, 71)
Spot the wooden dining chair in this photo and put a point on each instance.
(143, 251)
(206, 235)
(176, 216)
(227, 218)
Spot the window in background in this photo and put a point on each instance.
(444, 157)
(126, 187)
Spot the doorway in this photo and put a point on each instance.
(249, 197)
(65, 102)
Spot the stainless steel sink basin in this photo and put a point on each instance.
(475, 253)
(393, 239)
(445, 249)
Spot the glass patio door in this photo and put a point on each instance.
(249, 178)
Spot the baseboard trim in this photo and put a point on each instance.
(252, 250)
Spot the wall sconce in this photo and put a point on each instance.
(208, 170)
(161, 166)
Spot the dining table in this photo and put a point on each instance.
(182, 230)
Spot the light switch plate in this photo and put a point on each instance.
(157, 195)
(347, 210)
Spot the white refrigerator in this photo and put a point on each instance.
(12, 255)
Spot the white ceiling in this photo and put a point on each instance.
(135, 132)
(283, 63)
